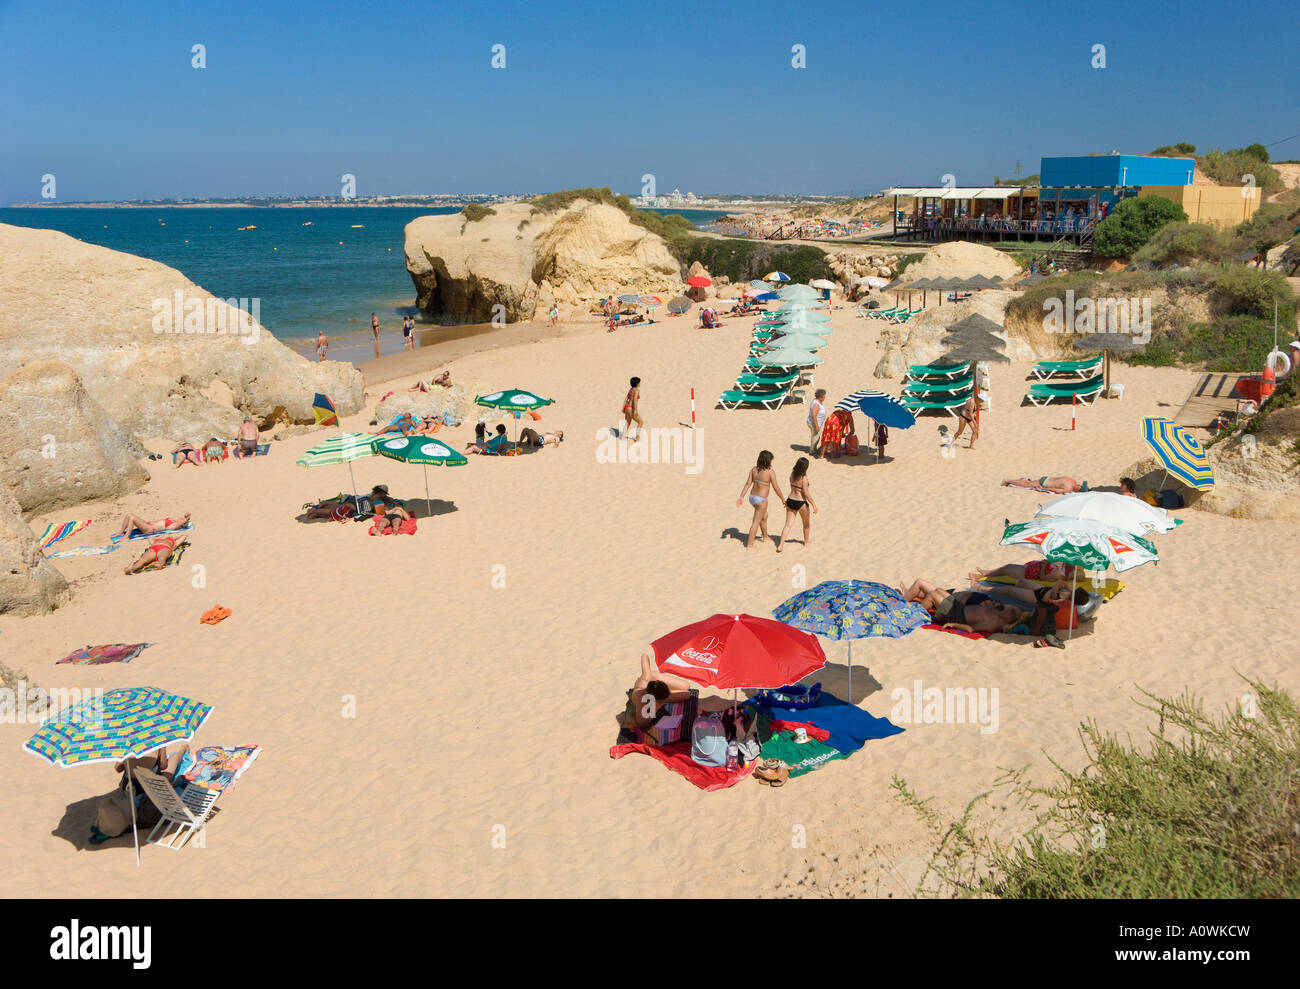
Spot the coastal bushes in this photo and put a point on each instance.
(1205, 810)
(1132, 223)
(1230, 167)
(744, 260)
(1183, 243)
(475, 212)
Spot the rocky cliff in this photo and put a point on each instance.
(523, 260)
(29, 585)
(145, 341)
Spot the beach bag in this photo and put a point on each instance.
(448, 417)
(851, 446)
(1170, 498)
(708, 741)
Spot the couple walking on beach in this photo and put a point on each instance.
(761, 481)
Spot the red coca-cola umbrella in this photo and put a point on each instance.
(739, 651)
(699, 281)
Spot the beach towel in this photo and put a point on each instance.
(677, 757)
(173, 559)
(215, 767)
(956, 631)
(848, 726)
(214, 615)
(56, 531)
(137, 534)
(82, 551)
(407, 528)
(801, 759)
(821, 734)
(117, 652)
(1107, 590)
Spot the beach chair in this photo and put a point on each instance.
(937, 371)
(770, 400)
(1042, 392)
(766, 382)
(935, 403)
(187, 811)
(927, 386)
(1083, 369)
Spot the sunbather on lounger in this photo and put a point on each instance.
(1056, 485)
(160, 549)
(130, 522)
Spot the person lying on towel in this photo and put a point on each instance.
(966, 611)
(1056, 485)
(404, 424)
(160, 550)
(130, 522)
(392, 519)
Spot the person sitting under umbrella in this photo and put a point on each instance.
(345, 506)
(497, 444)
(113, 811)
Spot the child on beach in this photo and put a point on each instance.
(554, 314)
(798, 503)
(631, 408)
(758, 482)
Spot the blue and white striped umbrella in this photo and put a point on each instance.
(1180, 452)
(878, 406)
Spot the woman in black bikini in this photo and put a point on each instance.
(798, 503)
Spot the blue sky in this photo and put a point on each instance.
(703, 96)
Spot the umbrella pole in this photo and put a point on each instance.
(428, 502)
(130, 793)
(1074, 577)
(850, 697)
(356, 497)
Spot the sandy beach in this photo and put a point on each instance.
(485, 659)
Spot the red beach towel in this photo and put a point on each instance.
(677, 757)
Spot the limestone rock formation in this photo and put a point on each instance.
(58, 447)
(463, 270)
(147, 343)
(29, 585)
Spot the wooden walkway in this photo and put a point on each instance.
(1211, 397)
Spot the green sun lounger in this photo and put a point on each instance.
(937, 371)
(927, 386)
(770, 400)
(1083, 369)
(766, 382)
(928, 403)
(1042, 392)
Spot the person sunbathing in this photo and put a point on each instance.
(1056, 485)
(531, 437)
(190, 454)
(345, 503)
(404, 424)
(965, 610)
(428, 425)
(653, 690)
(1033, 570)
(1032, 594)
(130, 522)
(1128, 487)
(392, 519)
(160, 551)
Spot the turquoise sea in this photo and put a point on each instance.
(312, 268)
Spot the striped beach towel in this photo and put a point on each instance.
(56, 531)
(82, 551)
(117, 652)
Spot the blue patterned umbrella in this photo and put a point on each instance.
(852, 609)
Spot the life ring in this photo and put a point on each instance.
(1283, 361)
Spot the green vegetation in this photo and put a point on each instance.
(1183, 243)
(1230, 167)
(1181, 149)
(906, 261)
(1206, 811)
(553, 202)
(1029, 180)
(1272, 224)
(474, 212)
(1134, 222)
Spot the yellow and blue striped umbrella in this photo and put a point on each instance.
(1180, 452)
(120, 724)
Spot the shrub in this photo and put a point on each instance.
(1206, 811)
(1272, 224)
(474, 212)
(1241, 288)
(1183, 243)
(905, 261)
(1229, 167)
(743, 260)
(1134, 222)
(1182, 148)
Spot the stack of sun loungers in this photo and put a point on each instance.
(1086, 391)
(899, 314)
(1087, 368)
(762, 385)
(937, 387)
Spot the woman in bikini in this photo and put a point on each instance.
(632, 408)
(392, 519)
(758, 482)
(798, 503)
(159, 551)
(130, 522)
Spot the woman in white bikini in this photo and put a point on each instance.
(758, 482)
(797, 505)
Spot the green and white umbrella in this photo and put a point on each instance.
(422, 450)
(119, 724)
(788, 357)
(798, 293)
(1086, 543)
(513, 400)
(800, 341)
(341, 449)
(804, 317)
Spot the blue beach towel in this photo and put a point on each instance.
(850, 727)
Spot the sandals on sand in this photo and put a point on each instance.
(772, 772)
(1049, 640)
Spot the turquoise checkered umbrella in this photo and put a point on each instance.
(852, 609)
(121, 724)
(421, 450)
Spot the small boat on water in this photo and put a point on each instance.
(358, 226)
(307, 223)
(249, 227)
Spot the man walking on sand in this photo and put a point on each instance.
(322, 345)
(374, 330)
